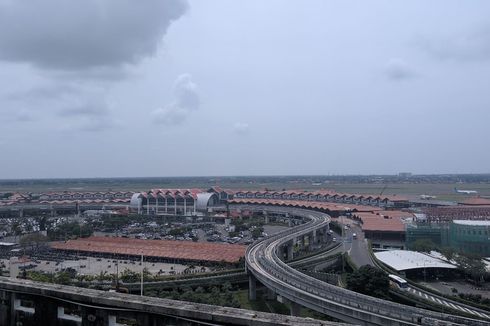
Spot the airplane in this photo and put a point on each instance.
(427, 197)
(467, 192)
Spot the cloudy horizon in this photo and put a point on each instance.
(110, 88)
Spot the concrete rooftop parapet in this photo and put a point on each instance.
(113, 302)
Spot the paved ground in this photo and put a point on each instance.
(462, 287)
(357, 248)
(94, 266)
(448, 304)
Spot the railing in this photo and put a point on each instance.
(263, 262)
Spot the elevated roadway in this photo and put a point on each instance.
(263, 263)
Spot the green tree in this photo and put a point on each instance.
(33, 240)
(128, 276)
(471, 265)
(448, 252)
(63, 278)
(424, 245)
(369, 280)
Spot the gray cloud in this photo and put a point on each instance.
(96, 124)
(90, 108)
(45, 92)
(170, 116)
(79, 35)
(241, 128)
(24, 116)
(398, 69)
(465, 46)
(185, 100)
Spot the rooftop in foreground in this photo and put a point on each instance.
(403, 260)
(185, 250)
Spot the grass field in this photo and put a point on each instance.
(443, 190)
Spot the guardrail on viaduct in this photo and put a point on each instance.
(264, 265)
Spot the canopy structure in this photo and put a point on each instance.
(401, 260)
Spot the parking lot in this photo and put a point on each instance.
(95, 266)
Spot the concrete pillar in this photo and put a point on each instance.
(271, 295)
(166, 207)
(94, 317)
(148, 205)
(314, 237)
(185, 207)
(45, 310)
(156, 206)
(295, 309)
(290, 247)
(252, 288)
(290, 221)
(266, 217)
(4, 308)
(175, 205)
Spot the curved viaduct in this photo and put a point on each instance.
(263, 263)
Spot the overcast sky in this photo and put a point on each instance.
(102, 88)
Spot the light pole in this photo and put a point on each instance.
(342, 234)
(142, 272)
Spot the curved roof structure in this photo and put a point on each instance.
(401, 260)
(204, 199)
(135, 202)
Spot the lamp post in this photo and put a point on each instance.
(142, 272)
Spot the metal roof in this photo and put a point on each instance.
(404, 259)
(472, 222)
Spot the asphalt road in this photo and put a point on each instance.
(359, 251)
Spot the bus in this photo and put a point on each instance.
(398, 282)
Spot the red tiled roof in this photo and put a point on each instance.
(186, 250)
(476, 201)
(337, 207)
(375, 222)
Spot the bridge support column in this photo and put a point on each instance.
(290, 252)
(314, 237)
(295, 309)
(325, 233)
(271, 295)
(252, 288)
(44, 310)
(290, 222)
(266, 217)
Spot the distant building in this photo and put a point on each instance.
(404, 174)
(471, 236)
(173, 201)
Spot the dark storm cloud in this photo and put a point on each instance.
(185, 100)
(78, 35)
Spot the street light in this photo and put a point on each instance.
(142, 270)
